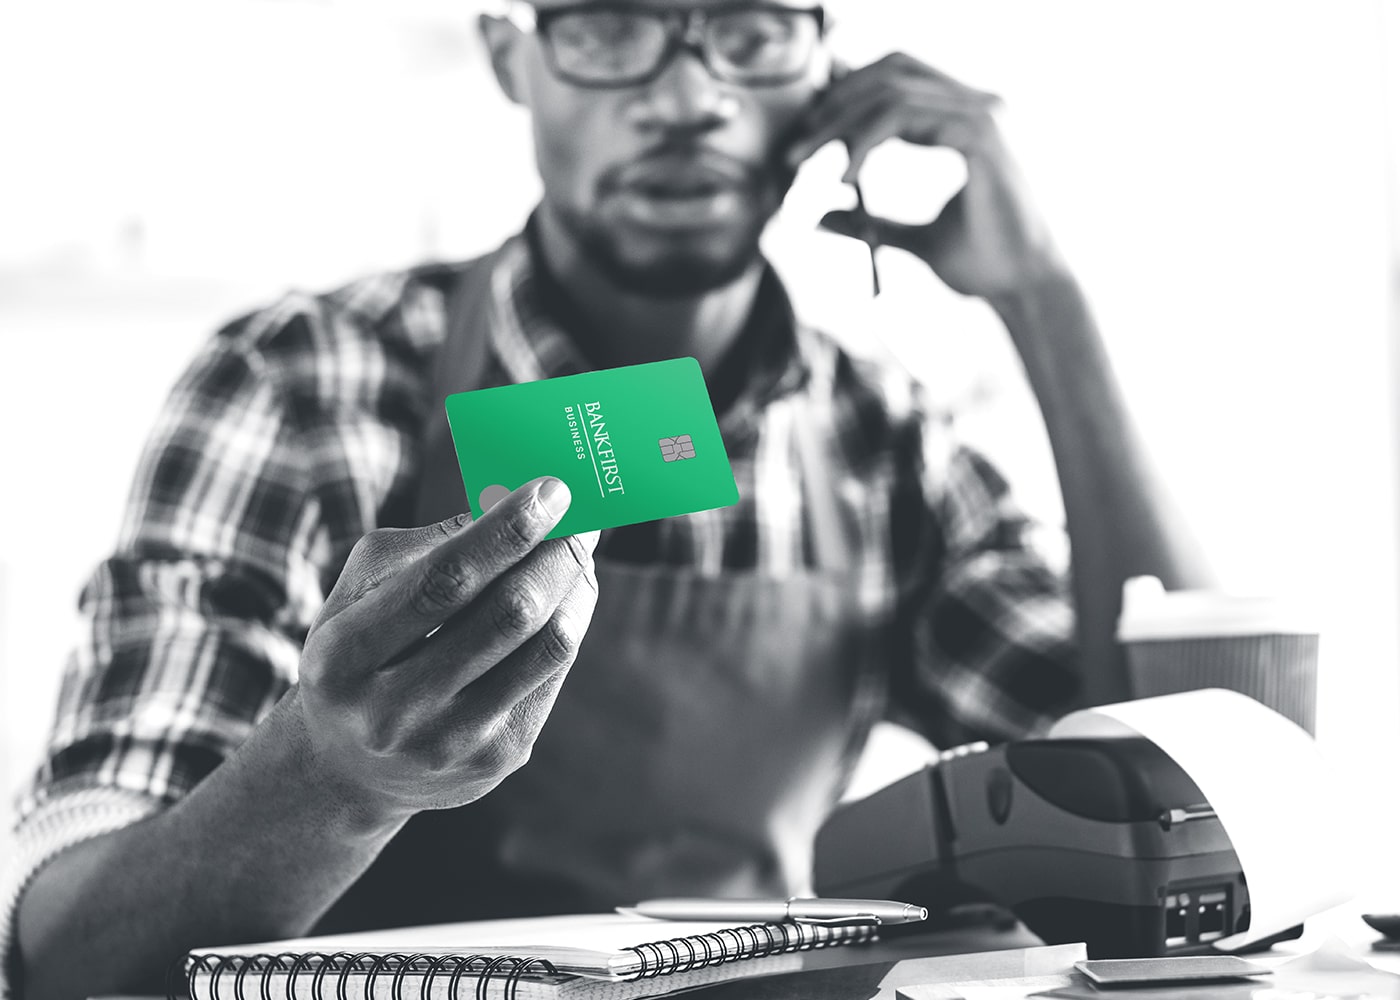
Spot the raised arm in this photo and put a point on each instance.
(989, 242)
(1119, 514)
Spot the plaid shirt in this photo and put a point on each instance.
(296, 430)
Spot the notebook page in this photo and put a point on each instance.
(589, 944)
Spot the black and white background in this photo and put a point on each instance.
(1222, 174)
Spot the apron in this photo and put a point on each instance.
(708, 725)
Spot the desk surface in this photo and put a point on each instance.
(832, 977)
(1344, 924)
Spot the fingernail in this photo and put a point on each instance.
(590, 539)
(555, 495)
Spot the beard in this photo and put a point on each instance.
(664, 266)
(663, 272)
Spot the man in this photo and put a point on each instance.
(288, 716)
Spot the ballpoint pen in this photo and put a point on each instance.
(807, 911)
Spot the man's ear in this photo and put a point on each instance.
(502, 39)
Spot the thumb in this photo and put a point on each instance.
(870, 228)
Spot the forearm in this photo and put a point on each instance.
(1121, 521)
(256, 851)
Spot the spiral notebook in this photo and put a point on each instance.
(590, 957)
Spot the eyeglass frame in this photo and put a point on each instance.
(684, 31)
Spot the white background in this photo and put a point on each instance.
(1216, 172)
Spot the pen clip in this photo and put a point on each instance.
(848, 920)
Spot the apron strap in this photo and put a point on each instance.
(460, 366)
(831, 546)
(828, 534)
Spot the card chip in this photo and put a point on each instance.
(673, 449)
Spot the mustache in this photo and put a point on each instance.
(688, 160)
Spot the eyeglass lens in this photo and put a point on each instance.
(600, 44)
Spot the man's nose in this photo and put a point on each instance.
(686, 97)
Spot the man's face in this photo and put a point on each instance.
(664, 185)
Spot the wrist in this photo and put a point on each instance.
(349, 806)
(1043, 283)
(1065, 358)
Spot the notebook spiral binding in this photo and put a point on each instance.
(733, 944)
(343, 967)
(325, 971)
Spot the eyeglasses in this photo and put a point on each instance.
(625, 44)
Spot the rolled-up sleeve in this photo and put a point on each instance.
(192, 630)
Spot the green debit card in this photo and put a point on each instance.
(633, 444)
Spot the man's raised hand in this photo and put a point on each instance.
(988, 240)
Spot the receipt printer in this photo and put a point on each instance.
(1104, 840)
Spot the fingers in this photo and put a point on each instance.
(985, 96)
(886, 232)
(885, 125)
(517, 608)
(832, 120)
(526, 681)
(382, 554)
(897, 96)
(493, 722)
(399, 612)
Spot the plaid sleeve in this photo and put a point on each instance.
(992, 620)
(192, 630)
